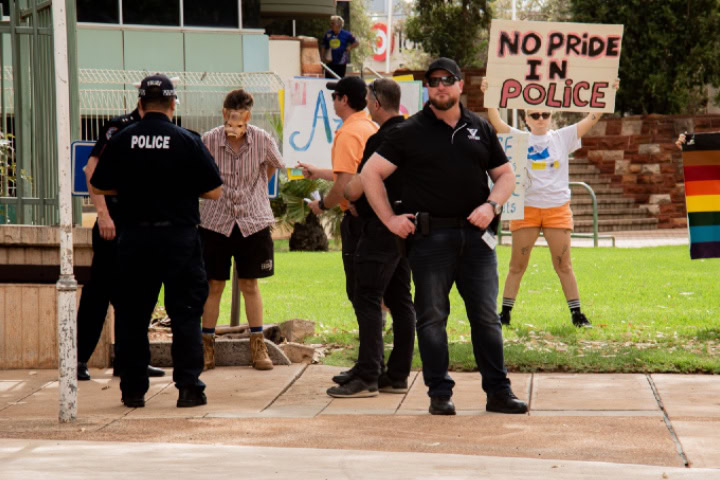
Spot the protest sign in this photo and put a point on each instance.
(310, 120)
(553, 65)
(516, 150)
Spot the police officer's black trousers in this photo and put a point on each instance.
(95, 298)
(149, 257)
(381, 273)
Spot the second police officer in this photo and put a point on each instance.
(158, 171)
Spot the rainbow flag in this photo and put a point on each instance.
(701, 164)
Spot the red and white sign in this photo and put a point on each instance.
(381, 41)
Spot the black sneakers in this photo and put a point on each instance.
(345, 376)
(355, 388)
(504, 317)
(505, 402)
(580, 320)
(133, 400)
(82, 371)
(442, 405)
(191, 397)
(389, 385)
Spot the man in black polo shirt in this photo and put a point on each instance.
(158, 170)
(96, 293)
(380, 272)
(445, 154)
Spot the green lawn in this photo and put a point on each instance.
(653, 310)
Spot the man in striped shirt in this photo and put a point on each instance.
(238, 223)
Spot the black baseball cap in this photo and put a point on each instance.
(353, 87)
(156, 86)
(444, 63)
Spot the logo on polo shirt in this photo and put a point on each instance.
(473, 134)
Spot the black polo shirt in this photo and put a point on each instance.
(444, 169)
(393, 184)
(110, 128)
(159, 170)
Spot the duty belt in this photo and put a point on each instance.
(451, 222)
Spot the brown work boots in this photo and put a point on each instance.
(208, 340)
(258, 352)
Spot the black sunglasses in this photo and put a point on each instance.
(374, 92)
(536, 116)
(447, 80)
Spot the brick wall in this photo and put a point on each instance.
(640, 154)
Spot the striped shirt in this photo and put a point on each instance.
(244, 199)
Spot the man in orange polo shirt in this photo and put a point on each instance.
(349, 102)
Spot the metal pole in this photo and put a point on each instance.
(236, 301)
(66, 285)
(294, 29)
(388, 49)
(514, 112)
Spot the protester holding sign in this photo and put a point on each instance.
(547, 203)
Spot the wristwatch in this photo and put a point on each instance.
(497, 208)
(321, 204)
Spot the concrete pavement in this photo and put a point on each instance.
(591, 423)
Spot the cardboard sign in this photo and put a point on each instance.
(516, 150)
(553, 66)
(310, 121)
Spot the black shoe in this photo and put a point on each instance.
(82, 371)
(581, 321)
(442, 405)
(344, 377)
(355, 388)
(389, 385)
(504, 318)
(155, 372)
(505, 402)
(191, 397)
(151, 372)
(134, 400)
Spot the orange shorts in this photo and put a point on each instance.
(555, 217)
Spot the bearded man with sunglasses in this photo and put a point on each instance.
(446, 154)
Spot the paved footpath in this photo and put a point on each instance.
(281, 424)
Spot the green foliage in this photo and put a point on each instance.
(451, 28)
(360, 27)
(669, 51)
(534, 10)
(9, 175)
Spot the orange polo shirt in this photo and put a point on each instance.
(349, 144)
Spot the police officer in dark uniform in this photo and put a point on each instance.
(95, 297)
(446, 154)
(381, 272)
(158, 170)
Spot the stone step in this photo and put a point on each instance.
(591, 179)
(583, 170)
(614, 225)
(600, 190)
(602, 201)
(611, 212)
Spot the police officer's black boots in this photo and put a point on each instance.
(191, 397)
(82, 371)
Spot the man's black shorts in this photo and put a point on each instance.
(253, 254)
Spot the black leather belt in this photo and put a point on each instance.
(451, 222)
(166, 223)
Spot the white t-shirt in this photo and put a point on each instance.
(548, 171)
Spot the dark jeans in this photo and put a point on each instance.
(350, 231)
(149, 257)
(381, 273)
(95, 298)
(339, 69)
(444, 257)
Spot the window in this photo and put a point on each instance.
(151, 12)
(5, 7)
(98, 11)
(251, 13)
(211, 13)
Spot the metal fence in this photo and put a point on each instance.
(107, 93)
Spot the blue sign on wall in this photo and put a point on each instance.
(80, 153)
